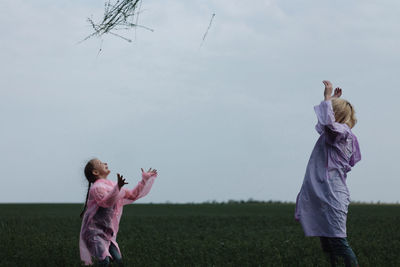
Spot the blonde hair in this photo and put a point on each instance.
(344, 112)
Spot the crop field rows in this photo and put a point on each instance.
(247, 234)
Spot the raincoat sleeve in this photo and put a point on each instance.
(141, 190)
(326, 122)
(107, 198)
(356, 156)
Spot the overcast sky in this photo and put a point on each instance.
(232, 119)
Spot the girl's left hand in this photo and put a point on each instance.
(121, 181)
(150, 173)
(338, 92)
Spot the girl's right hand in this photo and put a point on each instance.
(150, 173)
(328, 89)
(121, 181)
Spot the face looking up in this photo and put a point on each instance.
(100, 169)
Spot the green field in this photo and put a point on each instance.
(248, 234)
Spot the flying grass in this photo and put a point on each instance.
(118, 15)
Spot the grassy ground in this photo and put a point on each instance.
(195, 235)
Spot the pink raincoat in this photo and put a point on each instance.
(104, 209)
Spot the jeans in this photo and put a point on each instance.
(338, 247)
(116, 257)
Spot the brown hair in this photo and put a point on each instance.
(344, 112)
(91, 178)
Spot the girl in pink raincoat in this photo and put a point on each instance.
(322, 203)
(102, 212)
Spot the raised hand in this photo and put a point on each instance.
(121, 181)
(150, 173)
(338, 92)
(328, 89)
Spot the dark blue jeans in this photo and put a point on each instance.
(116, 257)
(337, 247)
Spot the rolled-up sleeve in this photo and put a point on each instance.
(326, 122)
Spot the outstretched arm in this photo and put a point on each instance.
(142, 188)
(325, 114)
